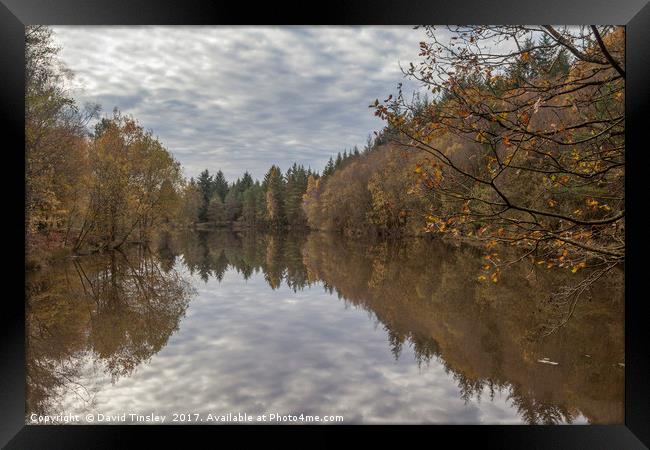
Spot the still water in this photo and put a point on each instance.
(376, 332)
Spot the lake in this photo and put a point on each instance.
(315, 324)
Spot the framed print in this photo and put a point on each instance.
(264, 219)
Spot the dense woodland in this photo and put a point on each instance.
(88, 189)
(92, 188)
(275, 203)
(524, 148)
(521, 147)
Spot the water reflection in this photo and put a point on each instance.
(118, 309)
(419, 340)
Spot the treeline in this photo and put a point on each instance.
(367, 192)
(274, 203)
(521, 147)
(88, 189)
(279, 201)
(372, 192)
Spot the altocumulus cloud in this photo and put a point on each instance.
(242, 98)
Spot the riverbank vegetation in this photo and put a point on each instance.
(515, 144)
(275, 203)
(88, 189)
(525, 147)
(518, 140)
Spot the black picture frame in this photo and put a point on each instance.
(15, 14)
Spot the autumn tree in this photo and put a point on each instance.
(275, 206)
(55, 139)
(134, 182)
(90, 190)
(526, 140)
(192, 200)
(311, 202)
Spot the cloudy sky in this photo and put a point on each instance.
(242, 98)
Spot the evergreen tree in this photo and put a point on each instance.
(551, 60)
(205, 186)
(251, 200)
(329, 168)
(369, 145)
(523, 70)
(246, 181)
(216, 209)
(296, 186)
(233, 203)
(220, 185)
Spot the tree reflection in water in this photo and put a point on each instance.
(489, 337)
(117, 309)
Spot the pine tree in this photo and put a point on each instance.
(369, 145)
(250, 204)
(246, 181)
(329, 168)
(296, 186)
(233, 204)
(205, 186)
(216, 209)
(220, 185)
(523, 70)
